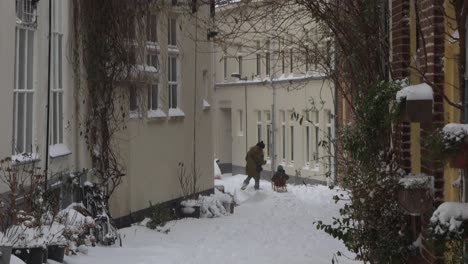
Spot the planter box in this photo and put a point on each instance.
(5, 254)
(30, 255)
(415, 200)
(56, 252)
(419, 111)
(461, 159)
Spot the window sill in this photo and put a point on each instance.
(134, 115)
(25, 158)
(154, 114)
(176, 112)
(240, 134)
(152, 45)
(58, 150)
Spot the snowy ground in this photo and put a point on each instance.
(267, 227)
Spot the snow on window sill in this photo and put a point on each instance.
(156, 114)
(291, 164)
(58, 150)
(146, 68)
(134, 115)
(152, 45)
(24, 158)
(205, 105)
(240, 134)
(176, 112)
(268, 161)
(172, 49)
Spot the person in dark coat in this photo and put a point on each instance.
(255, 160)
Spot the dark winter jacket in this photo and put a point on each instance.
(280, 178)
(255, 160)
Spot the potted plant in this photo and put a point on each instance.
(190, 208)
(455, 139)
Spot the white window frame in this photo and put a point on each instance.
(23, 141)
(134, 94)
(151, 33)
(291, 138)
(268, 133)
(57, 91)
(308, 156)
(172, 35)
(259, 126)
(267, 60)
(317, 137)
(283, 134)
(152, 88)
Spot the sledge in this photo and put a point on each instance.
(279, 185)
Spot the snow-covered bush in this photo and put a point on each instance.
(159, 216)
(77, 227)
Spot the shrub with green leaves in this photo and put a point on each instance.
(371, 224)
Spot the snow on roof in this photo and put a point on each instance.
(454, 131)
(451, 215)
(415, 92)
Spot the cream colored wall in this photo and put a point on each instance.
(153, 148)
(259, 97)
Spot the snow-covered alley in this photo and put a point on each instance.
(266, 227)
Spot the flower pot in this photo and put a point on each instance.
(5, 254)
(460, 160)
(30, 255)
(56, 252)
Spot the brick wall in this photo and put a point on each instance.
(431, 14)
(400, 43)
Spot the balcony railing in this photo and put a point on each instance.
(26, 12)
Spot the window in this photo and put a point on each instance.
(259, 126)
(172, 32)
(329, 137)
(133, 100)
(56, 128)
(153, 96)
(283, 65)
(267, 59)
(241, 125)
(240, 65)
(152, 59)
(291, 59)
(307, 60)
(317, 129)
(283, 133)
(268, 127)
(151, 28)
(26, 12)
(307, 138)
(292, 143)
(23, 94)
(259, 64)
(172, 81)
(225, 67)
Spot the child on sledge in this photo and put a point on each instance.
(279, 179)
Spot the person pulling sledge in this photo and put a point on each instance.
(278, 181)
(255, 160)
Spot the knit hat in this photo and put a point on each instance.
(280, 168)
(261, 144)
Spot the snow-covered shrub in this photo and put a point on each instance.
(78, 226)
(372, 223)
(159, 215)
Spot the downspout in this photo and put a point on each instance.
(246, 122)
(195, 104)
(46, 171)
(465, 110)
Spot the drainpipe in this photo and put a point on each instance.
(246, 122)
(465, 110)
(46, 171)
